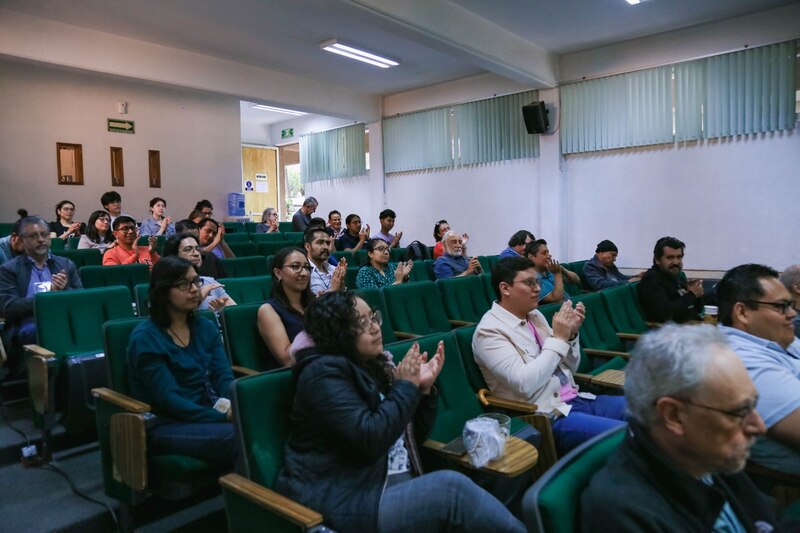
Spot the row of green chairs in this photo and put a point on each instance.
(250, 227)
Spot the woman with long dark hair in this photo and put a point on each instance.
(357, 420)
(98, 232)
(178, 365)
(212, 293)
(63, 226)
(281, 318)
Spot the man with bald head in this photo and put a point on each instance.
(692, 421)
(757, 313)
(454, 262)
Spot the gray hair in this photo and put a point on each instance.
(447, 235)
(790, 277)
(669, 361)
(310, 201)
(267, 213)
(31, 221)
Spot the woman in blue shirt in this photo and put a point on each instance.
(157, 223)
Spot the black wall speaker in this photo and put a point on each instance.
(535, 115)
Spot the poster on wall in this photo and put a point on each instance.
(262, 185)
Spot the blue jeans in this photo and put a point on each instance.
(587, 419)
(214, 442)
(443, 501)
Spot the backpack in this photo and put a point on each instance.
(416, 251)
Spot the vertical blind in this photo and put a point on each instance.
(333, 154)
(740, 93)
(475, 132)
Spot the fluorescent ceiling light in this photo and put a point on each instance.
(278, 110)
(359, 55)
(632, 2)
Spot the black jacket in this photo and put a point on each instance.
(639, 490)
(337, 454)
(661, 299)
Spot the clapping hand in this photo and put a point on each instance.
(153, 242)
(401, 271)
(568, 320)
(429, 370)
(409, 367)
(218, 303)
(338, 277)
(553, 266)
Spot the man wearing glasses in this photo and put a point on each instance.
(757, 313)
(692, 421)
(35, 270)
(125, 250)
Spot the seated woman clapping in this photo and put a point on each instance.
(98, 232)
(380, 272)
(212, 293)
(356, 423)
(281, 318)
(178, 365)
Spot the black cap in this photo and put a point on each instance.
(606, 246)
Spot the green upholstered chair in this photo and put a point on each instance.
(268, 237)
(250, 227)
(417, 308)
(551, 505)
(57, 245)
(374, 298)
(241, 267)
(262, 405)
(107, 276)
(397, 254)
(234, 228)
(294, 237)
(243, 249)
(6, 228)
(350, 277)
(72, 243)
(142, 296)
(272, 247)
(285, 227)
(129, 475)
(464, 298)
(350, 256)
(252, 289)
(361, 257)
(623, 310)
(82, 258)
(598, 336)
(486, 279)
(422, 271)
(242, 236)
(68, 325)
(243, 342)
(486, 265)
(161, 240)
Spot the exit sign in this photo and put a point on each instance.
(120, 126)
(287, 133)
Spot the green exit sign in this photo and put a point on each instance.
(287, 133)
(120, 126)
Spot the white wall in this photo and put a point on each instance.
(197, 134)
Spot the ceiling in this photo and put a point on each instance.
(423, 35)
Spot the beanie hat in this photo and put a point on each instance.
(606, 246)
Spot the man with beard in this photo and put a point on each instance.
(692, 420)
(664, 292)
(324, 276)
(453, 262)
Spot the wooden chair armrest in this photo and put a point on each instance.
(651, 324)
(628, 336)
(512, 405)
(35, 349)
(271, 500)
(121, 401)
(244, 371)
(459, 323)
(404, 335)
(585, 378)
(608, 354)
(129, 449)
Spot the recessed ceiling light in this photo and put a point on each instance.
(633, 2)
(278, 110)
(359, 55)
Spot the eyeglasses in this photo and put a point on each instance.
(782, 307)
(103, 219)
(742, 413)
(380, 249)
(365, 322)
(531, 283)
(36, 235)
(127, 229)
(65, 208)
(190, 249)
(185, 285)
(297, 267)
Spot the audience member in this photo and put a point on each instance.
(380, 272)
(549, 272)
(439, 229)
(454, 262)
(791, 280)
(11, 245)
(177, 365)
(522, 359)
(692, 420)
(211, 265)
(324, 276)
(664, 293)
(195, 216)
(281, 318)
(205, 208)
(63, 226)
(269, 221)
(98, 232)
(600, 271)
(387, 217)
(212, 293)
(302, 217)
(157, 223)
(354, 236)
(517, 243)
(125, 250)
(34, 270)
(112, 202)
(334, 227)
(212, 238)
(757, 314)
(354, 413)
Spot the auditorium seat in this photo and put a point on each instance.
(464, 298)
(240, 267)
(106, 276)
(251, 289)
